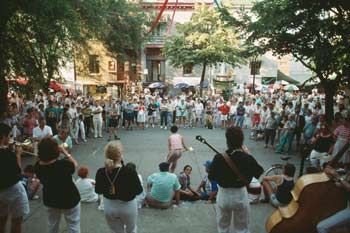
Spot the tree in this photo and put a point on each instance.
(39, 36)
(316, 33)
(125, 31)
(205, 40)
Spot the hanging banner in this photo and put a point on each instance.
(217, 4)
(172, 18)
(155, 23)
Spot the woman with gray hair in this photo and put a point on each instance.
(119, 186)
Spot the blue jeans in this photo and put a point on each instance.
(336, 220)
(164, 118)
(239, 120)
(286, 138)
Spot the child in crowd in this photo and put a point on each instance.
(207, 189)
(86, 187)
(30, 182)
(187, 193)
(141, 197)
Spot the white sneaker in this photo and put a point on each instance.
(152, 126)
(161, 127)
(101, 207)
(165, 128)
(36, 197)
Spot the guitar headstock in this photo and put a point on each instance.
(201, 139)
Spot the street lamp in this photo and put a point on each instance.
(244, 92)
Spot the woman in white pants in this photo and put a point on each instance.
(60, 194)
(119, 186)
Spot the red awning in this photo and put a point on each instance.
(56, 87)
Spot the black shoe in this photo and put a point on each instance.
(264, 200)
(116, 137)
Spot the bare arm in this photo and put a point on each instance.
(183, 143)
(19, 151)
(275, 179)
(69, 157)
(177, 197)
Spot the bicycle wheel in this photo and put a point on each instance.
(274, 170)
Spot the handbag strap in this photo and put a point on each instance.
(234, 168)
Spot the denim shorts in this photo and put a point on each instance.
(274, 201)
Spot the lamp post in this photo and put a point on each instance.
(244, 92)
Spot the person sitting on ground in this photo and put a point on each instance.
(207, 189)
(30, 182)
(86, 186)
(63, 138)
(141, 197)
(13, 198)
(161, 188)
(187, 193)
(175, 145)
(280, 196)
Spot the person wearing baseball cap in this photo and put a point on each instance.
(207, 189)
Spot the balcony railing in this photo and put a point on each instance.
(155, 40)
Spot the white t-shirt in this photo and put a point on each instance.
(86, 190)
(38, 133)
(98, 115)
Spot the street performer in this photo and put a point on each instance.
(232, 197)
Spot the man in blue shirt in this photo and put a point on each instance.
(161, 187)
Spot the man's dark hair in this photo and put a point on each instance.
(174, 129)
(48, 150)
(234, 137)
(131, 165)
(29, 168)
(289, 170)
(4, 130)
(164, 167)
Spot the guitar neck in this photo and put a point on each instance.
(211, 147)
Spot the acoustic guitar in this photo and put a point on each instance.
(315, 198)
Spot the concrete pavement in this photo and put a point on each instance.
(147, 148)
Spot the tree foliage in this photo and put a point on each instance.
(125, 29)
(38, 37)
(316, 33)
(204, 40)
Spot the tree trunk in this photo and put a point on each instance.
(202, 79)
(330, 89)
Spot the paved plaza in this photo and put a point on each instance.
(147, 148)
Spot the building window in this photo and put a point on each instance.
(94, 64)
(111, 66)
(156, 70)
(188, 68)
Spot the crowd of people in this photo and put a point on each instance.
(54, 123)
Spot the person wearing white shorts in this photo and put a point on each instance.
(13, 197)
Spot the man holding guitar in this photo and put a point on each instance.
(233, 171)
